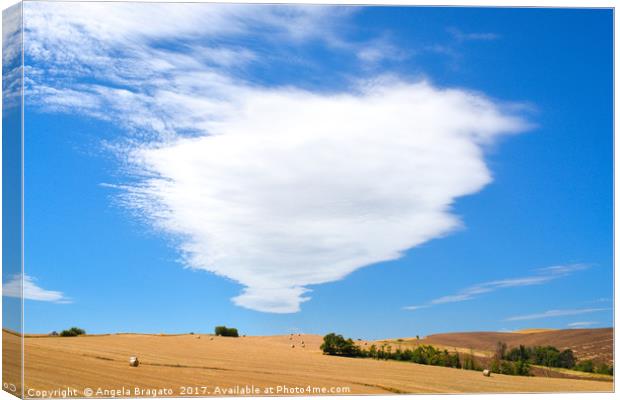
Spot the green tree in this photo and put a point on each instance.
(522, 367)
(566, 359)
(585, 366)
(495, 366)
(224, 331)
(337, 345)
(469, 361)
(372, 352)
(500, 350)
(604, 369)
(74, 331)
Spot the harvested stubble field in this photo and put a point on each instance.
(176, 361)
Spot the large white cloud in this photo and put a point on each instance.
(277, 188)
(298, 189)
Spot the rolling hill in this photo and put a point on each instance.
(594, 344)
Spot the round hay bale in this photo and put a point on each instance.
(133, 361)
(292, 346)
(198, 337)
(486, 372)
(302, 342)
(290, 338)
(211, 338)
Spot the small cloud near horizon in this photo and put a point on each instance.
(31, 291)
(582, 324)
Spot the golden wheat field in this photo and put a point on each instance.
(176, 365)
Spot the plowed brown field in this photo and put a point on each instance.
(595, 344)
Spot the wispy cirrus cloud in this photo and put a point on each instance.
(31, 291)
(582, 324)
(373, 52)
(276, 201)
(556, 313)
(11, 58)
(542, 275)
(469, 36)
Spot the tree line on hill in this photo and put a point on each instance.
(516, 361)
(547, 356)
(337, 345)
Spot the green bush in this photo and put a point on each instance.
(585, 366)
(588, 366)
(74, 331)
(522, 367)
(495, 366)
(224, 331)
(604, 369)
(566, 359)
(337, 345)
(504, 367)
(469, 361)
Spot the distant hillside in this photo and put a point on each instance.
(595, 344)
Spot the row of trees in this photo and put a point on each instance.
(588, 366)
(510, 362)
(425, 354)
(337, 345)
(516, 361)
(510, 367)
(547, 356)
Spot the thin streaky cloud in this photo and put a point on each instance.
(556, 313)
(472, 36)
(601, 300)
(563, 269)
(31, 291)
(544, 275)
(581, 324)
(415, 307)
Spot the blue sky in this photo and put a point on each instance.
(374, 171)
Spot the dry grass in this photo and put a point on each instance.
(174, 361)
(11, 361)
(534, 330)
(570, 373)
